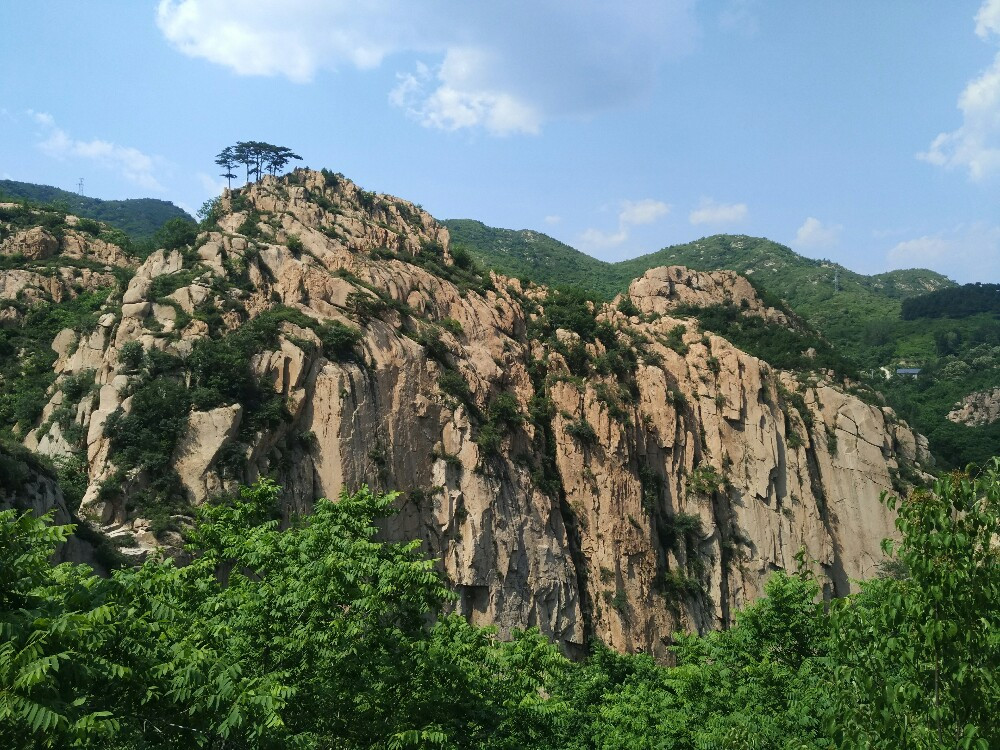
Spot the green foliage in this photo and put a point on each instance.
(464, 274)
(430, 338)
(916, 657)
(257, 157)
(675, 339)
(453, 384)
(320, 635)
(26, 355)
(627, 307)
(779, 346)
(139, 217)
(176, 233)
(502, 415)
(338, 340)
(953, 302)
(857, 317)
(166, 284)
(571, 309)
(294, 245)
(582, 431)
(210, 213)
(705, 480)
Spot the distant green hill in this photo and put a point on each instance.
(138, 217)
(837, 301)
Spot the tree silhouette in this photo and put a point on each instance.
(227, 160)
(257, 158)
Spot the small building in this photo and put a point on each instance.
(911, 372)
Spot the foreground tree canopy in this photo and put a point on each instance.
(316, 635)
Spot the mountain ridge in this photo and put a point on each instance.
(506, 250)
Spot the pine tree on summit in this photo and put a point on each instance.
(257, 158)
(227, 160)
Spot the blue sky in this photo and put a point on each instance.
(864, 132)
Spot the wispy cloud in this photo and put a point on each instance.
(596, 239)
(975, 144)
(449, 98)
(645, 211)
(814, 233)
(504, 67)
(130, 163)
(630, 214)
(712, 212)
(552, 219)
(969, 252)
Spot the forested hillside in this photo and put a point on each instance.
(322, 636)
(954, 302)
(137, 217)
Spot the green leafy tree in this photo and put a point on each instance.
(917, 656)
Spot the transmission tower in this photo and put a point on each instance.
(836, 280)
(79, 187)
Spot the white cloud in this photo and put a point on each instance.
(711, 212)
(453, 98)
(988, 19)
(643, 212)
(129, 162)
(814, 233)
(595, 239)
(212, 186)
(552, 219)
(631, 213)
(975, 144)
(505, 67)
(968, 252)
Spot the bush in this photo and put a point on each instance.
(582, 431)
(338, 340)
(505, 410)
(489, 438)
(705, 480)
(627, 307)
(175, 234)
(453, 384)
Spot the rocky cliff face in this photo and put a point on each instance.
(605, 474)
(979, 408)
(24, 486)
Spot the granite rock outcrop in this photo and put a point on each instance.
(622, 485)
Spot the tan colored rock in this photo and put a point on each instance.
(208, 432)
(583, 546)
(34, 244)
(661, 290)
(982, 407)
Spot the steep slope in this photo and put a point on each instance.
(139, 217)
(612, 471)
